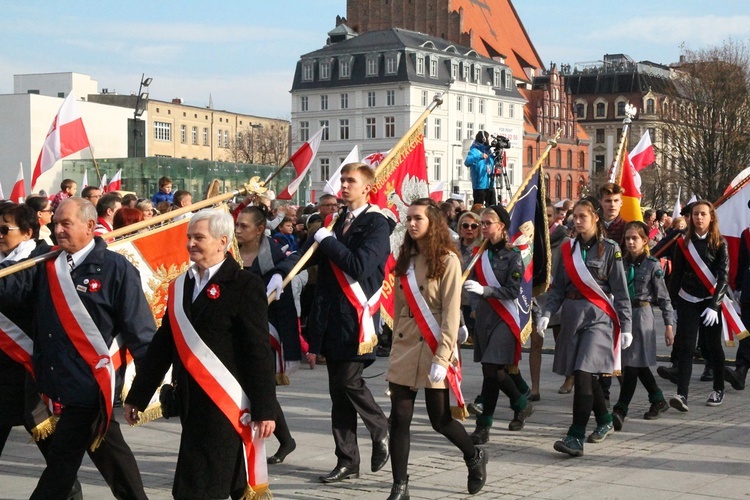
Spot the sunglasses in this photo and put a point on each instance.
(4, 230)
(466, 225)
(488, 223)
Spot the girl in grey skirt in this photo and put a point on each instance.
(585, 347)
(645, 287)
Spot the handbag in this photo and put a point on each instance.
(168, 401)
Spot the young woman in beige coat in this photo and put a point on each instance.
(429, 259)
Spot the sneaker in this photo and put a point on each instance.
(520, 417)
(678, 402)
(669, 373)
(475, 409)
(656, 410)
(707, 375)
(715, 398)
(600, 433)
(570, 445)
(618, 417)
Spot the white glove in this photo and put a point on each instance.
(276, 284)
(542, 325)
(322, 234)
(626, 339)
(437, 373)
(472, 286)
(291, 367)
(710, 317)
(463, 334)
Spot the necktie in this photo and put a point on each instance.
(70, 262)
(348, 222)
(630, 275)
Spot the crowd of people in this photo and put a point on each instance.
(229, 349)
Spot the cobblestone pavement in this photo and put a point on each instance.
(701, 454)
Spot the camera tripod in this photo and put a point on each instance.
(500, 178)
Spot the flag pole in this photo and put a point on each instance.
(278, 170)
(551, 143)
(616, 175)
(382, 172)
(96, 166)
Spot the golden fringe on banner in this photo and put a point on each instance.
(45, 429)
(526, 332)
(459, 412)
(512, 369)
(367, 346)
(258, 492)
(282, 379)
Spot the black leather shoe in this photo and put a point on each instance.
(707, 375)
(340, 473)
(380, 454)
(736, 378)
(669, 373)
(477, 471)
(282, 453)
(400, 490)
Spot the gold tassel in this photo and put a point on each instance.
(367, 346)
(742, 335)
(257, 492)
(282, 379)
(512, 369)
(617, 373)
(729, 343)
(150, 414)
(45, 429)
(459, 412)
(526, 332)
(98, 440)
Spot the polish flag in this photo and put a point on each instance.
(103, 185)
(734, 217)
(116, 183)
(333, 185)
(85, 181)
(374, 159)
(436, 191)
(18, 194)
(65, 137)
(631, 191)
(643, 154)
(302, 159)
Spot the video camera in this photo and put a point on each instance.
(498, 144)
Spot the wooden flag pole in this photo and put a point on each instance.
(616, 176)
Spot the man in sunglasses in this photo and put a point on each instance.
(83, 300)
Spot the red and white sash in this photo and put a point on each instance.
(507, 309)
(15, 343)
(366, 308)
(590, 289)
(732, 325)
(278, 354)
(431, 332)
(220, 385)
(82, 332)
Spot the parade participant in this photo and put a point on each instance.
(594, 327)
(68, 188)
(481, 164)
(496, 345)
(736, 377)
(645, 287)
(700, 281)
(92, 193)
(165, 191)
(82, 300)
(216, 333)
(351, 266)
(424, 353)
(468, 227)
(106, 209)
(43, 209)
(263, 257)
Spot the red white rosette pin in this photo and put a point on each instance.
(94, 286)
(213, 291)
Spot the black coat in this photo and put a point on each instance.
(235, 327)
(717, 261)
(333, 326)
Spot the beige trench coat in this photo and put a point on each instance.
(411, 357)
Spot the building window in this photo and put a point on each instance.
(390, 64)
(569, 188)
(530, 155)
(454, 71)
(558, 186)
(390, 98)
(371, 99)
(183, 134)
(370, 128)
(424, 98)
(650, 106)
(500, 109)
(652, 134)
(433, 67)
(569, 156)
(459, 102)
(218, 139)
(496, 78)
(324, 125)
(195, 136)
(600, 136)
(599, 164)
(424, 129)
(205, 137)
(344, 129)
(580, 111)
(162, 131)
(600, 110)
(511, 110)
(437, 166)
(508, 80)
(470, 104)
(437, 128)
(546, 184)
(304, 103)
(325, 167)
(481, 106)
(226, 138)
(466, 72)
(323, 102)
(420, 65)
(325, 70)
(304, 131)
(581, 160)
(390, 126)
(460, 169)
(469, 130)
(477, 74)
(344, 101)
(307, 71)
(345, 69)
(621, 108)
(372, 66)
(459, 131)
(481, 126)
(558, 158)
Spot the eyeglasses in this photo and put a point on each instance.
(466, 225)
(5, 229)
(488, 223)
(330, 205)
(46, 210)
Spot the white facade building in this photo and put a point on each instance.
(370, 88)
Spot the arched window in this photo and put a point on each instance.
(650, 106)
(581, 160)
(580, 110)
(600, 110)
(570, 159)
(581, 185)
(558, 186)
(546, 184)
(569, 188)
(621, 108)
(530, 155)
(558, 158)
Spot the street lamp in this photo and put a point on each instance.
(141, 97)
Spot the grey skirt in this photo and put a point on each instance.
(585, 341)
(642, 352)
(494, 342)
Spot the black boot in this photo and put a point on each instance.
(669, 373)
(736, 377)
(481, 434)
(707, 375)
(477, 471)
(400, 490)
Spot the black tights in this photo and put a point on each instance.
(496, 379)
(439, 411)
(588, 395)
(630, 377)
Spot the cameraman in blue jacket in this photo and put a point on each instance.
(481, 163)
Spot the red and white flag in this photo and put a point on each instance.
(103, 185)
(374, 159)
(436, 191)
(734, 217)
(85, 181)
(643, 154)
(677, 205)
(302, 159)
(18, 194)
(116, 183)
(65, 137)
(333, 185)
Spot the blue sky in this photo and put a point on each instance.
(243, 52)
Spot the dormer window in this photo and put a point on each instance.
(391, 64)
(508, 80)
(466, 72)
(308, 70)
(325, 70)
(477, 74)
(433, 67)
(372, 65)
(496, 78)
(420, 65)
(454, 70)
(345, 67)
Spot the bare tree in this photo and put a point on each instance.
(260, 144)
(706, 119)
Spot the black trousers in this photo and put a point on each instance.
(743, 350)
(351, 397)
(71, 439)
(484, 197)
(689, 323)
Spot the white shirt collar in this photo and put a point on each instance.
(200, 284)
(701, 237)
(359, 210)
(21, 251)
(81, 254)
